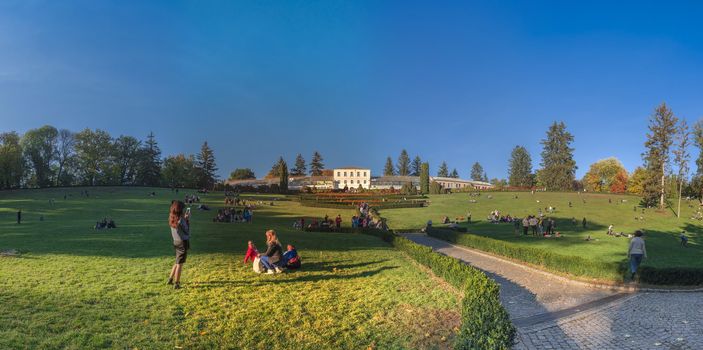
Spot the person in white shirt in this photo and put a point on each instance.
(636, 252)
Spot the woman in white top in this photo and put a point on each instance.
(636, 252)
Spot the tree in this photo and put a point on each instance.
(388, 168)
(126, 153)
(485, 176)
(520, 168)
(316, 165)
(64, 157)
(635, 184)
(454, 174)
(606, 175)
(242, 174)
(403, 163)
(662, 129)
(697, 181)
(207, 169)
(425, 178)
(12, 165)
(283, 176)
(477, 172)
(39, 146)
(149, 168)
(443, 170)
(499, 183)
(558, 165)
(180, 171)
(93, 150)
(416, 166)
(300, 169)
(681, 157)
(275, 171)
(436, 188)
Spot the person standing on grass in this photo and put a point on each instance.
(525, 224)
(179, 220)
(338, 221)
(19, 216)
(636, 252)
(584, 222)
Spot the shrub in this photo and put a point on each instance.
(485, 323)
(684, 276)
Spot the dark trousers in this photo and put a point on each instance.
(524, 230)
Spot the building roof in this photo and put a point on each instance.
(451, 179)
(352, 167)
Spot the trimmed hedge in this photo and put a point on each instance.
(485, 324)
(574, 265)
(683, 276)
(343, 205)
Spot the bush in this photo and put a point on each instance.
(485, 324)
(569, 264)
(684, 276)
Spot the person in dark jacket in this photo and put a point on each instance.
(19, 216)
(179, 221)
(273, 256)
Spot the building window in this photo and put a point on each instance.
(351, 173)
(364, 182)
(345, 173)
(345, 182)
(364, 174)
(357, 174)
(339, 173)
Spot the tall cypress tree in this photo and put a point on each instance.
(205, 162)
(300, 169)
(283, 175)
(316, 165)
(520, 168)
(416, 166)
(149, 169)
(662, 129)
(404, 163)
(443, 170)
(425, 178)
(388, 169)
(558, 164)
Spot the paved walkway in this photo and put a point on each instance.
(554, 313)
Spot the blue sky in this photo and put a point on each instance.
(356, 80)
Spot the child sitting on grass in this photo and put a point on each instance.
(252, 253)
(291, 257)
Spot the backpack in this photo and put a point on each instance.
(294, 262)
(258, 266)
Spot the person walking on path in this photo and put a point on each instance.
(636, 252)
(19, 216)
(179, 221)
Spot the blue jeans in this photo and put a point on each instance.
(267, 263)
(635, 260)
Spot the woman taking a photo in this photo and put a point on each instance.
(272, 257)
(179, 220)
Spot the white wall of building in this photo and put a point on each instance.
(352, 177)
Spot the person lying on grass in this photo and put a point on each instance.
(272, 257)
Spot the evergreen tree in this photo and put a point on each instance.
(300, 169)
(425, 178)
(454, 174)
(477, 172)
(416, 166)
(316, 165)
(662, 129)
(283, 176)
(520, 168)
(485, 176)
(558, 165)
(681, 157)
(242, 174)
(443, 170)
(388, 169)
(275, 171)
(205, 161)
(149, 169)
(403, 163)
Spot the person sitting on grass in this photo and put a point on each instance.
(251, 252)
(291, 257)
(273, 255)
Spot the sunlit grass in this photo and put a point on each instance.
(77, 288)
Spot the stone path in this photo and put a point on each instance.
(553, 313)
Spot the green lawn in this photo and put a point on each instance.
(77, 288)
(661, 228)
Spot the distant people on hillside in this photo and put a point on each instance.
(338, 221)
(19, 216)
(105, 223)
(525, 225)
(636, 252)
(533, 225)
(179, 221)
(610, 230)
(583, 222)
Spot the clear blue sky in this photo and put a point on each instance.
(357, 80)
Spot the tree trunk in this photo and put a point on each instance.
(678, 212)
(661, 198)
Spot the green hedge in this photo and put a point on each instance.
(485, 324)
(386, 205)
(683, 276)
(569, 264)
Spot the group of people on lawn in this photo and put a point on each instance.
(273, 260)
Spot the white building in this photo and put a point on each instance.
(352, 177)
(453, 183)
